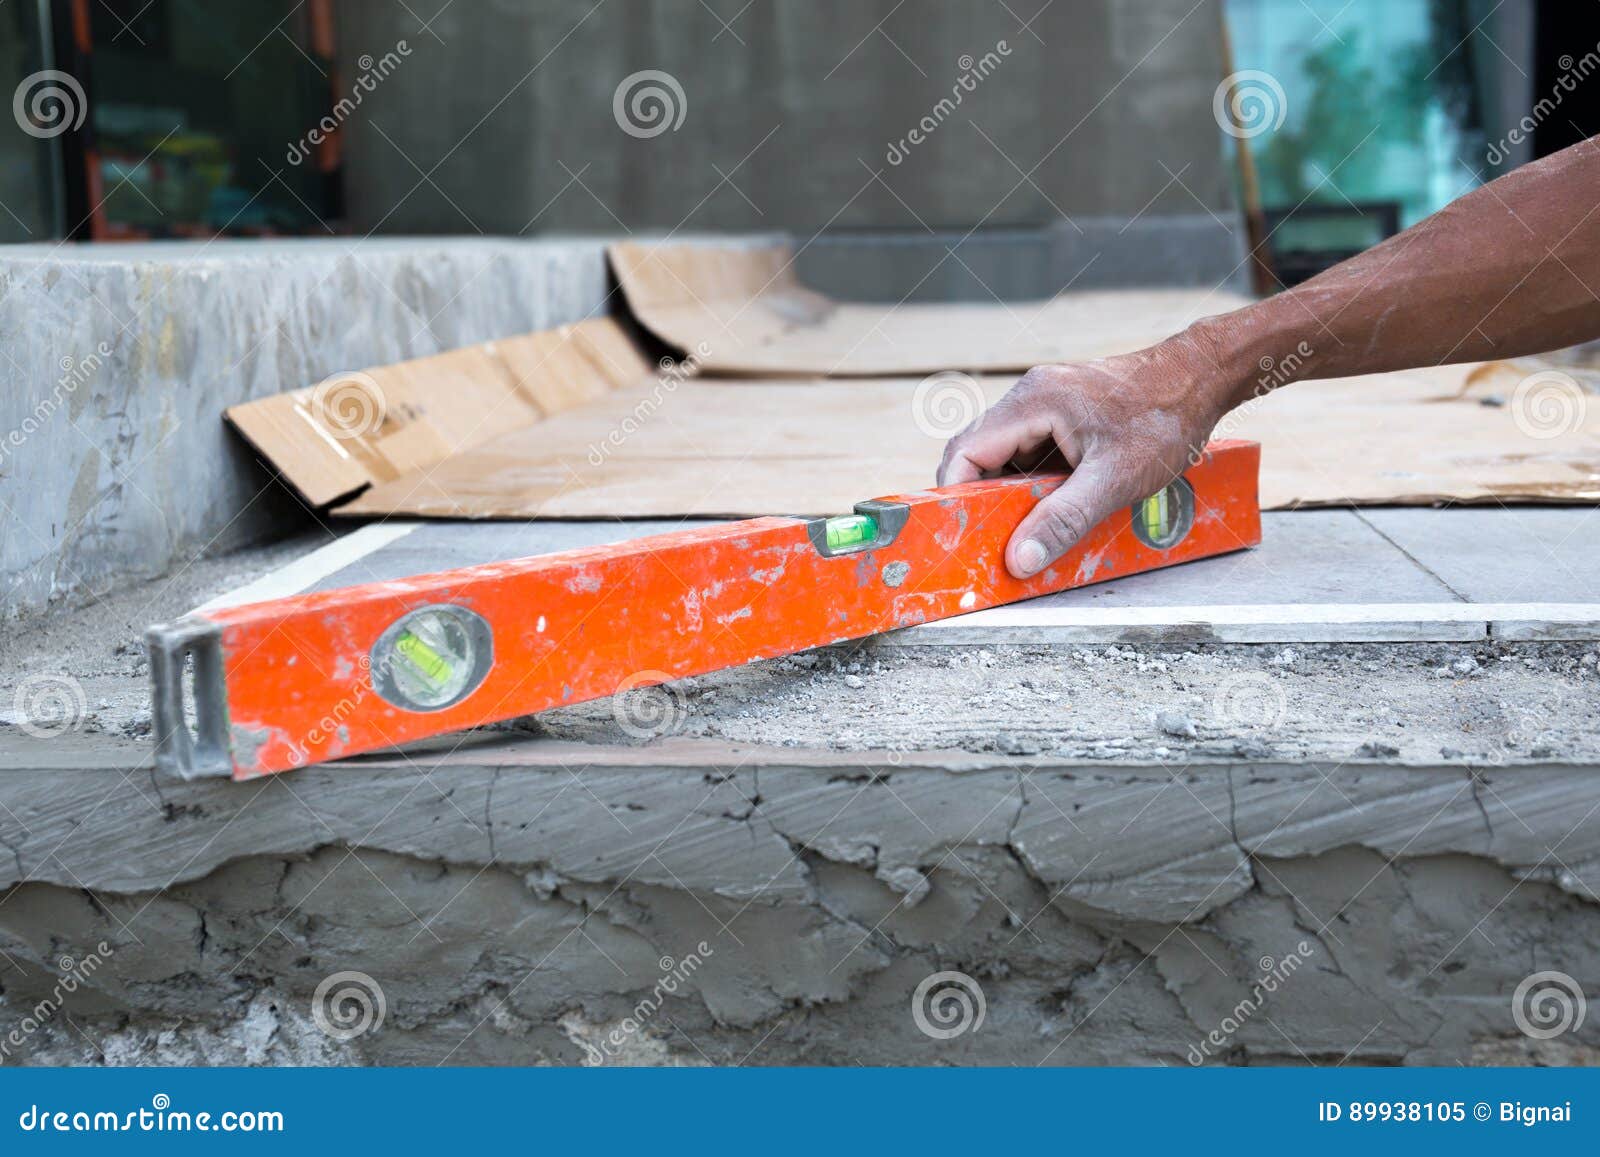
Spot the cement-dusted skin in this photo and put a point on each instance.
(523, 901)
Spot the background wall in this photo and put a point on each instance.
(1086, 154)
(28, 166)
(501, 121)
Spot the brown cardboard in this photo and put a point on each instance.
(378, 424)
(701, 447)
(571, 423)
(1448, 433)
(736, 448)
(746, 309)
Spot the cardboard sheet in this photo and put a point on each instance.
(576, 423)
(374, 425)
(1450, 433)
(710, 447)
(736, 448)
(746, 309)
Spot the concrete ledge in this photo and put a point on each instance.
(121, 359)
(78, 820)
(516, 901)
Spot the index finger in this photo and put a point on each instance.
(991, 442)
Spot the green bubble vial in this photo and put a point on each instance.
(431, 657)
(850, 530)
(425, 662)
(1165, 518)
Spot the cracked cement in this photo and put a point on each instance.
(1110, 913)
(837, 827)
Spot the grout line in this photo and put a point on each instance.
(1424, 567)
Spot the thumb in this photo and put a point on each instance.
(1061, 519)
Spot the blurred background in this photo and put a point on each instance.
(216, 203)
(1076, 119)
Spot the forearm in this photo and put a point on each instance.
(1504, 271)
(1500, 272)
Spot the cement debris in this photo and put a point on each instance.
(1414, 825)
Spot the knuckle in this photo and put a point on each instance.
(1045, 379)
(961, 441)
(967, 432)
(1043, 392)
(946, 463)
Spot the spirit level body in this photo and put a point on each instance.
(312, 677)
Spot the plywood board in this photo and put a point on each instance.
(732, 448)
(570, 423)
(372, 425)
(741, 311)
(1415, 438)
(707, 448)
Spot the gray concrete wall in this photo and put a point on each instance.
(1023, 264)
(1103, 915)
(1097, 108)
(114, 460)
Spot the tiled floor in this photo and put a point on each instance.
(1318, 576)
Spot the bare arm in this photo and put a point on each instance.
(1503, 271)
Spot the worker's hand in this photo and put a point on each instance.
(1126, 426)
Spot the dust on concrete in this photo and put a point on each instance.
(99, 643)
(1476, 703)
(508, 922)
(1483, 702)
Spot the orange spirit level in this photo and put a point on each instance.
(318, 676)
